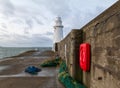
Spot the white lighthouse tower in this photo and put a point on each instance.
(58, 32)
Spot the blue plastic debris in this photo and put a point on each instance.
(32, 70)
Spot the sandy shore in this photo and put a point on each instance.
(12, 73)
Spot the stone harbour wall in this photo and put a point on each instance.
(103, 34)
(68, 49)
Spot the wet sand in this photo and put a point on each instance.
(12, 73)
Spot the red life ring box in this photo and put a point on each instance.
(84, 56)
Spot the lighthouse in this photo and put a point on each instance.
(58, 32)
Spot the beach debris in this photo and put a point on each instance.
(32, 70)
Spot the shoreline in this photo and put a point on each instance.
(23, 60)
(19, 54)
(15, 77)
(19, 50)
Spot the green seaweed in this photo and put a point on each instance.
(51, 63)
(65, 78)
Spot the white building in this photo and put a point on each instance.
(58, 32)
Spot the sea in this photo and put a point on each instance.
(13, 51)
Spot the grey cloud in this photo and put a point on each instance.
(5, 35)
(40, 36)
(17, 21)
(7, 7)
(21, 37)
(72, 17)
(29, 23)
(2, 31)
(19, 15)
(80, 18)
(41, 13)
(41, 39)
(49, 33)
(26, 30)
(4, 26)
(38, 20)
(57, 7)
(22, 40)
(91, 15)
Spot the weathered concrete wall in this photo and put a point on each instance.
(68, 49)
(103, 34)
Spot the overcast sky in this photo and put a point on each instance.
(29, 23)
